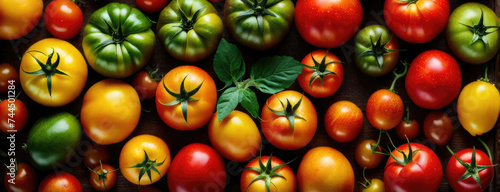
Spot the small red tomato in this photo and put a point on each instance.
(322, 75)
(407, 128)
(21, 178)
(13, 115)
(145, 83)
(364, 155)
(438, 127)
(95, 154)
(472, 162)
(60, 181)
(103, 177)
(8, 76)
(343, 121)
(151, 6)
(63, 19)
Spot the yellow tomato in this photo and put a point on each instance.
(53, 72)
(19, 17)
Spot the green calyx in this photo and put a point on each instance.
(398, 75)
(187, 24)
(146, 166)
(103, 175)
(320, 69)
(117, 36)
(154, 75)
(266, 172)
(289, 112)
(407, 158)
(183, 97)
(410, 2)
(472, 168)
(48, 69)
(258, 10)
(480, 31)
(377, 50)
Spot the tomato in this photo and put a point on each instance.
(376, 50)
(434, 80)
(144, 159)
(418, 169)
(365, 156)
(53, 73)
(145, 83)
(275, 172)
(20, 178)
(52, 140)
(236, 137)
(438, 127)
(328, 24)
(467, 164)
(259, 24)
(110, 111)
(416, 21)
(8, 76)
(60, 181)
(322, 75)
(186, 98)
(13, 115)
(197, 167)
(63, 19)
(472, 33)
(151, 6)
(478, 106)
(96, 154)
(289, 120)
(189, 30)
(407, 128)
(103, 177)
(325, 169)
(372, 185)
(343, 121)
(19, 21)
(118, 40)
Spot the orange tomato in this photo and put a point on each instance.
(324, 77)
(18, 18)
(286, 183)
(343, 121)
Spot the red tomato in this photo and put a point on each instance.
(416, 21)
(421, 170)
(364, 156)
(251, 177)
(20, 178)
(60, 181)
(434, 79)
(8, 76)
(328, 24)
(63, 19)
(407, 128)
(343, 121)
(197, 167)
(481, 166)
(145, 83)
(13, 115)
(438, 127)
(323, 75)
(103, 177)
(289, 120)
(151, 6)
(95, 154)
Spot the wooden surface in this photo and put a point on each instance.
(356, 87)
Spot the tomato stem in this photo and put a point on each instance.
(319, 69)
(407, 118)
(398, 75)
(154, 75)
(378, 142)
(487, 149)
(485, 78)
(183, 97)
(289, 111)
(266, 172)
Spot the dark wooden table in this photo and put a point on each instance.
(356, 88)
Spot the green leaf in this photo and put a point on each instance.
(227, 102)
(274, 74)
(228, 63)
(248, 100)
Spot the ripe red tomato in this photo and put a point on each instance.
(418, 170)
(24, 179)
(438, 127)
(481, 166)
(328, 24)
(8, 76)
(60, 181)
(343, 121)
(145, 83)
(407, 128)
(63, 19)
(257, 178)
(416, 21)
(94, 154)
(13, 115)
(323, 75)
(151, 6)
(103, 177)
(197, 167)
(433, 80)
(364, 156)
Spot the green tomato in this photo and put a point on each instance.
(376, 50)
(118, 40)
(53, 139)
(258, 24)
(189, 30)
(472, 33)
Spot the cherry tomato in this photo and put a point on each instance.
(407, 128)
(95, 154)
(372, 185)
(151, 6)
(322, 75)
(438, 127)
(63, 19)
(343, 121)
(480, 165)
(364, 156)
(20, 178)
(257, 178)
(145, 83)
(60, 181)
(103, 177)
(13, 115)
(8, 76)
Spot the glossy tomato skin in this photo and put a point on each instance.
(20, 116)
(198, 112)
(417, 22)
(197, 167)
(363, 154)
(151, 6)
(331, 82)
(8, 74)
(424, 173)
(280, 184)
(343, 121)
(110, 111)
(325, 169)
(60, 181)
(236, 137)
(438, 127)
(377, 185)
(95, 154)
(63, 19)
(433, 80)
(277, 129)
(319, 27)
(26, 179)
(109, 181)
(384, 109)
(145, 85)
(407, 129)
(454, 170)
(19, 21)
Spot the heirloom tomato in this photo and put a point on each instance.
(262, 172)
(60, 181)
(408, 127)
(145, 83)
(63, 19)
(19, 17)
(469, 170)
(343, 121)
(366, 156)
(103, 177)
(8, 76)
(151, 6)
(13, 115)
(322, 75)
(438, 127)
(93, 155)
(23, 179)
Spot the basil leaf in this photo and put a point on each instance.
(248, 100)
(228, 63)
(227, 102)
(273, 74)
